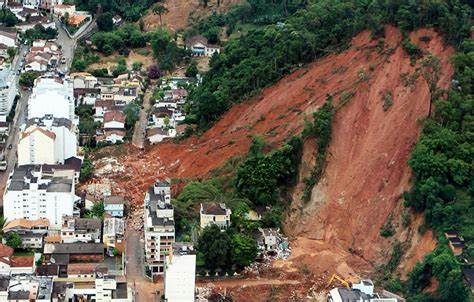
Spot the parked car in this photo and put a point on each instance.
(10, 147)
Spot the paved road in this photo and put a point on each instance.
(145, 289)
(20, 118)
(139, 132)
(69, 44)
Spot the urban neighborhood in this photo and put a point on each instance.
(184, 151)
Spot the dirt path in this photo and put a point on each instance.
(228, 283)
(139, 133)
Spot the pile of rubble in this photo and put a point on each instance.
(135, 219)
(203, 293)
(106, 166)
(100, 189)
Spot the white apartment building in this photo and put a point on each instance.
(180, 273)
(47, 140)
(34, 192)
(52, 97)
(7, 92)
(159, 227)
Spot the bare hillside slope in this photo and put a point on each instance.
(339, 228)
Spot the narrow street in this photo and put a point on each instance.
(144, 289)
(139, 133)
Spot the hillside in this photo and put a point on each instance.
(367, 167)
(180, 11)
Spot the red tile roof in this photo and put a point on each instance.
(22, 261)
(114, 115)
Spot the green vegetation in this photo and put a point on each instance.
(105, 22)
(127, 36)
(41, 33)
(120, 68)
(13, 240)
(87, 169)
(87, 125)
(8, 18)
(165, 50)
(387, 229)
(192, 70)
(267, 53)
(83, 57)
(27, 79)
(442, 265)
(321, 129)
(387, 101)
(97, 211)
(225, 251)
(261, 176)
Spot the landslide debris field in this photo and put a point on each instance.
(367, 170)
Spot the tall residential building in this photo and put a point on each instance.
(159, 226)
(47, 140)
(35, 192)
(180, 273)
(53, 97)
(7, 92)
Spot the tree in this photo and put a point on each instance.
(214, 248)
(154, 72)
(87, 170)
(120, 68)
(97, 210)
(13, 240)
(132, 112)
(160, 9)
(137, 66)
(192, 70)
(27, 79)
(105, 22)
(11, 52)
(8, 18)
(79, 65)
(244, 250)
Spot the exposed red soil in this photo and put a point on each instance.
(367, 171)
(180, 11)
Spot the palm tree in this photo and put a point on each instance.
(159, 9)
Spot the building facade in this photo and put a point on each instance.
(159, 227)
(33, 193)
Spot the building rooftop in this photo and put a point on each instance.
(25, 175)
(114, 115)
(45, 288)
(114, 199)
(86, 268)
(121, 291)
(74, 248)
(22, 261)
(213, 209)
(26, 224)
(84, 223)
(19, 295)
(47, 270)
